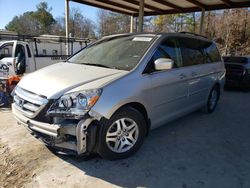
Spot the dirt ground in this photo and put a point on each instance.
(196, 151)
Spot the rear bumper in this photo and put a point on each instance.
(66, 136)
(232, 83)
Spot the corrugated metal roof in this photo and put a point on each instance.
(159, 7)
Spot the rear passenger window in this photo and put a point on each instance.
(212, 53)
(192, 51)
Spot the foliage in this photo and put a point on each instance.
(175, 23)
(229, 28)
(33, 23)
(112, 23)
(79, 26)
(24, 24)
(115, 23)
(42, 21)
(44, 17)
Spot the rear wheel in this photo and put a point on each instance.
(213, 99)
(122, 135)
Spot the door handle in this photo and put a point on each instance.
(194, 74)
(182, 76)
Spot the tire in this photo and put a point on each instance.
(245, 84)
(213, 99)
(117, 143)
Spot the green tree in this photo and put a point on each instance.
(44, 18)
(175, 23)
(24, 24)
(33, 22)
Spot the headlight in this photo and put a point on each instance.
(75, 105)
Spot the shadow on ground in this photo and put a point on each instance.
(198, 150)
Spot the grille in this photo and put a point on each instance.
(28, 103)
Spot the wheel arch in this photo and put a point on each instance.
(217, 84)
(140, 108)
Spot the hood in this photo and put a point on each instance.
(53, 81)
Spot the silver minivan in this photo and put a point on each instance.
(107, 97)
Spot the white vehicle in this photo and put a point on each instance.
(19, 57)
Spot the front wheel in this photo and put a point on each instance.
(122, 135)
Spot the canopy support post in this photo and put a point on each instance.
(141, 15)
(67, 26)
(131, 24)
(202, 21)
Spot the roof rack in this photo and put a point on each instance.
(195, 34)
(11, 36)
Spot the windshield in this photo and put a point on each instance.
(123, 52)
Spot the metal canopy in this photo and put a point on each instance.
(160, 7)
(143, 8)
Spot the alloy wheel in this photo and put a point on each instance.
(213, 99)
(122, 135)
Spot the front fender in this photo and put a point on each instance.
(122, 92)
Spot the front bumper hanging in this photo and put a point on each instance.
(67, 137)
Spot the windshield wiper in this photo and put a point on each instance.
(97, 65)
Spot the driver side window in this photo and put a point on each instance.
(167, 49)
(20, 59)
(6, 50)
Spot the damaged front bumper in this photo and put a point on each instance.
(67, 136)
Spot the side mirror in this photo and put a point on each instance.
(163, 64)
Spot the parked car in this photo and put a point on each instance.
(237, 71)
(107, 97)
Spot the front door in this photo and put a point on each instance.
(20, 59)
(7, 60)
(169, 88)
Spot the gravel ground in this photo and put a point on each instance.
(196, 151)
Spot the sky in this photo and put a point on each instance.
(11, 8)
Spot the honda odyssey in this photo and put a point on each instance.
(107, 97)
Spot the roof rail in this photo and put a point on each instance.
(7, 36)
(195, 34)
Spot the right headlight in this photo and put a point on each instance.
(76, 104)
